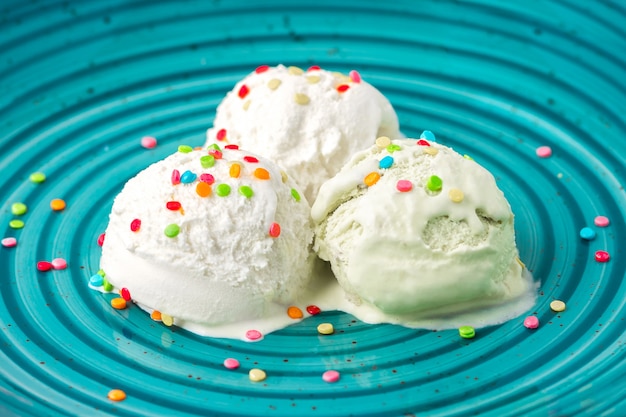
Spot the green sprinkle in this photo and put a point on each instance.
(185, 149)
(16, 224)
(222, 190)
(172, 230)
(101, 273)
(393, 147)
(467, 332)
(434, 183)
(214, 146)
(18, 209)
(106, 285)
(207, 161)
(37, 177)
(295, 194)
(246, 191)
(466, 156)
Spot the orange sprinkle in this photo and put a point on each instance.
(118, 303)
(235, 170)
(262, 174)
(116, 395)
(156, 315)
(371, 178)
(294, 312)
(57, 204)
(203, 189)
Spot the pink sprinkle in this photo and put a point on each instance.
(221, 134)
(9, 242)
(544, 152)
(330, 376)
(148, 142)
(231, 363)
(423, 142)
(216, 154)
(175, 177)
(531, 322)
(602, 256)
(59, 263)
(44, 266)
(253, 335)
(355, 76)
(101, 239)
(314, 68)
(404, 185)
(601, 221)
(135, 225)
(208, 178)
(125, 294)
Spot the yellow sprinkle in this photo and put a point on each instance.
(295, 71)
(116, 395)
(430, 150)
(456, 195)
(557, 306)
(283, 176)
(257, 375)
(246, 105)
(302, 98)
(274, 83)
(371, 178)
(519, 261)
(203, 189)
(262, 174)
(118, 303)
(167, 319)
(235, 170)
(325, 328)
(383, 142)
(294, 312)
(156, 315)
(313, 79)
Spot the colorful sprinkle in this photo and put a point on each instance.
(283, 176)
(430, 150)
(600, 221)
(295, 70)
(59, 263)
(253, 335)
(302, 99)
(393, 147)
(96, 280)
(215, 153)
(275, 230)
(251, 159)
(16, 224)
(557, 306)
(531, 322)
(246, 191)
(469, 158)
(294, 312)
(135, 225)
(184, 148)
(371, 178)
(222, 190)
(44, 266)
(467, 332)
(172, 230)
(221, 134)
(342, 88)
(155, 315)
(106, 285)
(423, 142)
(37, 177)
(313, 310)
(325, 328)
(602, 256)
(261, 68)
(57, 204)
(173, 205)
(386, 162)
(116, 395)
(118, 303)
(587, 233)
(355, 76)
(18, 209)
(148, 142)
(313, 79)
(456, 195)
(243, 91)
(9, 242)
(208, 178)
(544, 152)
(167, 319)
(257, 375)
(214, 146)
(231, 363)
(203, 189)
(383, 141)
(175, 177)
(232, 146)
(434, 183)
(428, 135)
(235, 170)
(314, 68)
(207, 161)
(295, 194)
(125, 294)
(404, 185)
(274, 83)
(330, 376)
(261, 173)
(188, 177)
(101, 239)
(101, 273)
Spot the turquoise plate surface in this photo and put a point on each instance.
(82, 82)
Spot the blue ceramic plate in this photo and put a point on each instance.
(82, 82)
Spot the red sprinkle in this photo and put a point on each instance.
(314, 67)
(217, 154)
(313, 310)
(243, 91)
(343, 88)
(173, 205)
(231, 147)
(423, 142)
(275, 230)
(101, 239)
(175, 177)
(602, 256)
(261, 68)
(125, 294)
(221, 134)
(135, 225)
(251, 159)
(44, 266)
(208, 178)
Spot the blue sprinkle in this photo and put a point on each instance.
(587, 233)
(428, 135)
(96, 280)
(188, 177)
(386, 162)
